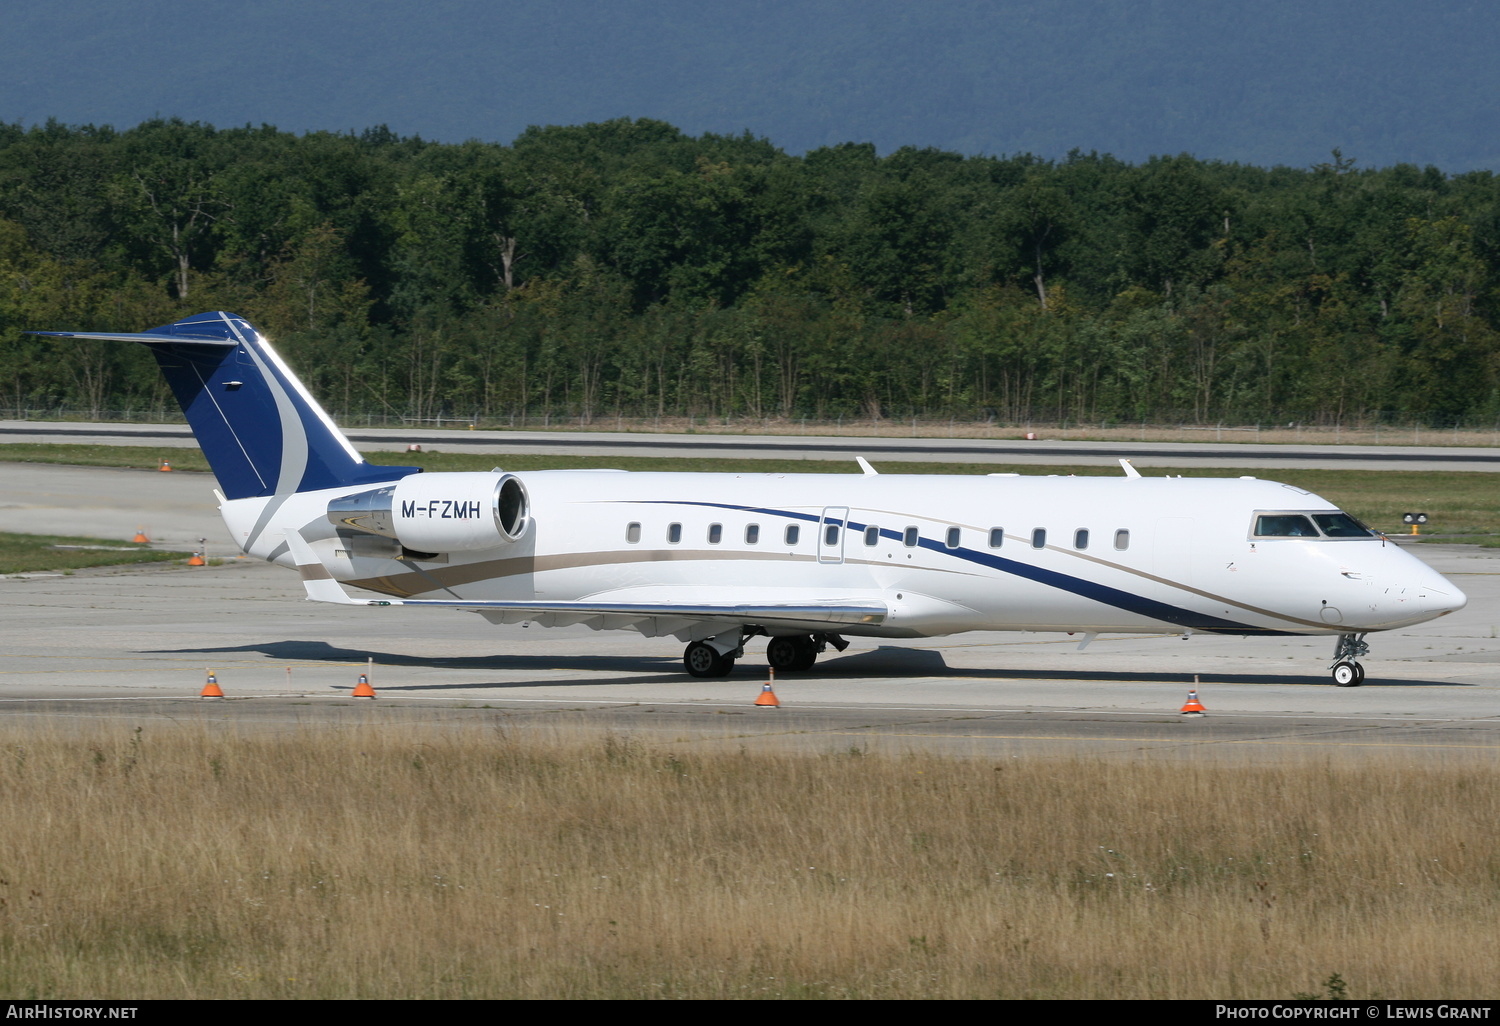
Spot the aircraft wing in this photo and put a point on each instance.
(650, 617)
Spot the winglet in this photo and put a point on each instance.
(316, 578)
(1129, 469)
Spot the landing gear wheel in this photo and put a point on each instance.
(701, 660)
(783, 653)
(807, 654)
(792, 655)
(1347, 673)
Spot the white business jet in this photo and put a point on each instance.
(805, 560)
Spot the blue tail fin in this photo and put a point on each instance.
(262, 432)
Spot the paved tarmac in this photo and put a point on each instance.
(136, 644)
(173, 509)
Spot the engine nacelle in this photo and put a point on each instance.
(440, 512)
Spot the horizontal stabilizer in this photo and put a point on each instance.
(140, 336)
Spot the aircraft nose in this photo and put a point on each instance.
(1438, 601)
(1433, 594)
(1415, 593)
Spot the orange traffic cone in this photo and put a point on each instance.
(196, 560)
(767, 698)
(140, 537)
(363, 689)
(211, 689)
(1193, 707)
(164, 466)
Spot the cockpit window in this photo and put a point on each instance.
(1284, 525)
(1301, 525)
(1342, 525)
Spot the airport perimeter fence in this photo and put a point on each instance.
(1379, 428)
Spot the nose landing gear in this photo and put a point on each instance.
(1347, 673)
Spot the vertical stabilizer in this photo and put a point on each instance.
(262, 432)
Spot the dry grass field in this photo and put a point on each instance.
(197, 861)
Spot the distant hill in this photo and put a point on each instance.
(1279, 82)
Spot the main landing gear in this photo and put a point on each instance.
(715, 657)
(1347, 673)
(792, 654)
(798, 653)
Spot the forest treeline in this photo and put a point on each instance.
(625, 268)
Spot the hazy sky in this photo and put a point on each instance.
(1276, 82)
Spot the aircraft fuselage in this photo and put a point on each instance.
(944, 553)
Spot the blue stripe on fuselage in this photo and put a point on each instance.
(1188, 619)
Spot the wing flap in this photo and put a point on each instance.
(807, 615)
(815, 615)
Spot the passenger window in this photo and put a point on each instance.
(752, 534)
(674, 533)
(793, 532)
(830, 534)
(1081, 538)
(715, 533)
(872, 536)
(1122, 540)
(633, 533)
(909, 538)
(1284, 525)
(997, 537)
(1039, 538)
(953, 537)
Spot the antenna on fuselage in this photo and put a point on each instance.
(1130, 471)
(864, 465)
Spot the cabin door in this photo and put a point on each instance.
(832, 527)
